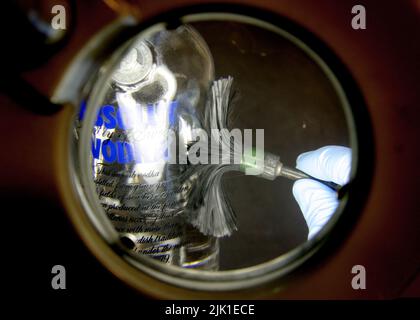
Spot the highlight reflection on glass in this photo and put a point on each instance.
(158, 87)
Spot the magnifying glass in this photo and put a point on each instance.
(152, 94)
(154, 85)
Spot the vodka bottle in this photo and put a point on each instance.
(153, 100)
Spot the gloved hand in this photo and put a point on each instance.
(317, 201)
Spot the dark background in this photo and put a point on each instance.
(280, 89)
(36, 231)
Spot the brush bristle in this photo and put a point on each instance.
(214, 216)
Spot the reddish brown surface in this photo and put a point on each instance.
(384, 60)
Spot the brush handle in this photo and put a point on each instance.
(296, 174)
(271, 168)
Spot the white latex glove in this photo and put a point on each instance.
(317, 201)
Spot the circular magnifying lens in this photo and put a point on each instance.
(184, 138)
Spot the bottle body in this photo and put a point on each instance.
(153, 102)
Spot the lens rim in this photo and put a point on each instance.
(329, 238)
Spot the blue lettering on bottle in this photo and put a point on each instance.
(96, 147)
(108, 113)
(121, 151)
(125, 152)
(109, 151)
(99, 120)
